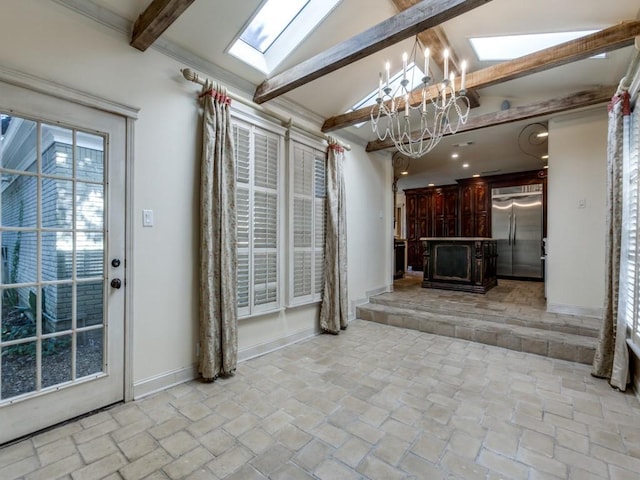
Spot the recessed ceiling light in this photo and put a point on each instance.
(432, 185)
(542, 134)
(544, 157)
(546, 166)
(465, 165)
(404, 173)
(454, 155)
(476, 175)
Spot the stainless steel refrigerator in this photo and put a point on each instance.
(516, 223)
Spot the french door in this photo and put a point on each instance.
(62, 215)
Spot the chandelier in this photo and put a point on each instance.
(416, 129)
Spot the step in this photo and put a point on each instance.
(526, 316)
(549, 343)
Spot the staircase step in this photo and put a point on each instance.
(527, 316)
(546, 342)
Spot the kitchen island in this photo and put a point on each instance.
(460, 263)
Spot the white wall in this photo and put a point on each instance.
(50, 41)
(576, 212)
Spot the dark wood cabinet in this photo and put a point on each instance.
(435, 214)
(462, 210)
(475, 208)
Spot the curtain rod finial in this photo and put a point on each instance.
(189, 74)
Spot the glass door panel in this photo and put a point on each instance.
(62, 326)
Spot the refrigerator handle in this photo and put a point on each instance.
(509, 239)
(515, 225)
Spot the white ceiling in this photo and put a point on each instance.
(208, 27)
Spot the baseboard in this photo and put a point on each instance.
(574, 310)
(273, 345)
(162, 381)
(166, 380)
(362, 301)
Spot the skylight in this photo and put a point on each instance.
(276, 29)
(270, 22)
(414, 75)
(509, 47)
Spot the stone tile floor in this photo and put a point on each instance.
(375, 402)
(510, 298)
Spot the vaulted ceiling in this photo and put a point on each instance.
(338, 64)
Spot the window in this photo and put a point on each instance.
(257, 154)
(307, 224)
(629, 271)
(508, 47)
(276, 29)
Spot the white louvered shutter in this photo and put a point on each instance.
(320, 205)
(258, 224)
(632, 290)
(242, 150)
(265, 220)
(307, 223)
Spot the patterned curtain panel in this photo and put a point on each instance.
(333, 312)
(218, 314)
(611, 360)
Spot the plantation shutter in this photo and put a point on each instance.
(320, 193)
(632, 306)
(308, 223)
(258, 224)
(302, 221)
(242, 149)
(265, 220)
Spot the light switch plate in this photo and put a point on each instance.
(147, 218)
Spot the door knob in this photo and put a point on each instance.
(116, 283)
(115, 263)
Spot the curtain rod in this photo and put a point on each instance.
(192, 76)
(633, 72)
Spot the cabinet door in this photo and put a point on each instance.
(411, 230)
(451, 202)
(423, 206)
(438, 202)
(467, 225)
(481, 198)
(483, 227)
(411, 206)
(466, 200)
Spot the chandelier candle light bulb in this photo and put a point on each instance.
(439, 111)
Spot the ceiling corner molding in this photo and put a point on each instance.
(42, 85)
(98, 14)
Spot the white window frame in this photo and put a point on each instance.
(316, 248)
(298, 29)
(255, 124)
(630, 264)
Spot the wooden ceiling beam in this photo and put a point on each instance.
(582, 99)
(436, 40)
(613, 38)
(419, 17)
(156, 18)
